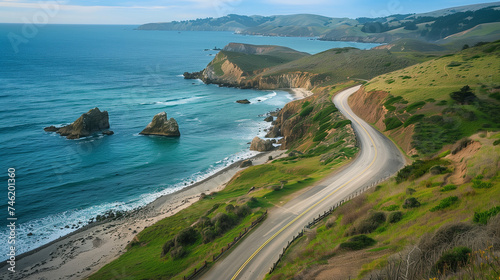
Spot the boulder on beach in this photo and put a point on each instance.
(269, 119)
(87, 124)
(162, 126)
(243, 101)
(246, 163)
(261, 145)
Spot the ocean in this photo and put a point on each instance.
(63, 71)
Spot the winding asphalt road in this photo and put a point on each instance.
(379, 158)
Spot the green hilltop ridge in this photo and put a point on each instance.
(272, 67)
(433, 26)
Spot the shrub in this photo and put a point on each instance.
(452, 260)
(442, 103)
(448, 188)
(454, 64)
(415, 105)
(306, 111)
(208, 235)
(477, 183)
(413, 119)
(320, 137)
(178, 252)
(370, 224)
(392, 123)
(411, 203)
(186, 236)
(204, 222)
(341, 123)
(305, 104)
(437, 169)
(395, 217)
(483, 217)
(445, 203)
(167, 247)
(410, 191)
(242, 211)
(230, 208)
(222, 222)
(389, 81)
(323, 113)
(357, 243)
(464, 95)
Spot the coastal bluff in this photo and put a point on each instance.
(162, 126)
(87, 124)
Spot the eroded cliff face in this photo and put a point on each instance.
(369, 106)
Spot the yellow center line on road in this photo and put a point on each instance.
(314, 205)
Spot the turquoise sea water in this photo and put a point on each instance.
(66, 70)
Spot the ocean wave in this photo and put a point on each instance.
(174, 102)
(50, 228)
(263, 98)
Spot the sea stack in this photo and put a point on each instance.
(162, 126)
(261, 145)
(87, 124)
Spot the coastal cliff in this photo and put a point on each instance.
(273, 67)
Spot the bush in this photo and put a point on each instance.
(442, 103)
(464, 95)
(445, 203)
(357, 243)
(306, 111)
(477, 183)
(452, 260)
(413, 119)
(222, 222)
(320, 137)
(208, 235)
(187, 236)
(167, 247)
(230, 208)
(203, 222)
(483, 217)
(415, 105)
(305, 104)
(242, 211)
(411, 203)
(437, 169)
(448, 188)
(178, 252)
(410, 191)
(392, 123)
(341, 123)
(395, 217)
(323, 113)
(370, 224)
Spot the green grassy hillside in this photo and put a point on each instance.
(419, 98)
(417, 217)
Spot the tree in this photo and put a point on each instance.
(464, 96)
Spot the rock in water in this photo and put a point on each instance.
(269, 119)
(261, 145)
(87, 124)
(243, 101)
(162, 126)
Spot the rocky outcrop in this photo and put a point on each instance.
(193, 75)
(87, 124)
(162, 126)
(246, 163)
(269, 119)
(243, 101)
(261, 145)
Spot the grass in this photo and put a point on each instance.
(321, 247)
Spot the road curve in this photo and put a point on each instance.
(379, 158)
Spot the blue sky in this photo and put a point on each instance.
(138, 12)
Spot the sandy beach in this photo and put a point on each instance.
(85, 251)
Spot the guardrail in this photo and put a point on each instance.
(198, 271)
(321, 217)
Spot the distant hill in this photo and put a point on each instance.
(431, 26)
